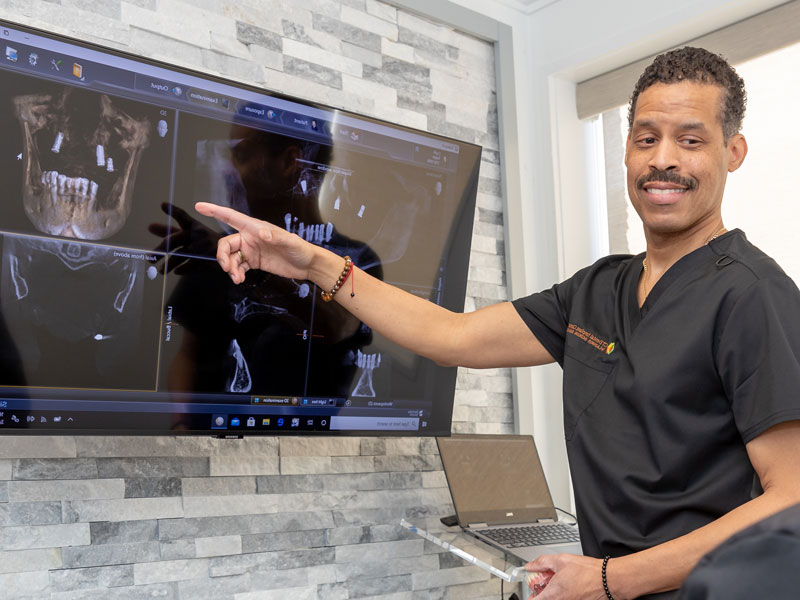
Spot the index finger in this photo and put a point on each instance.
(227, 215)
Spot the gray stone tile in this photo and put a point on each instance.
(295, 559)
(269, 542)
(218, 588)
(362, 588)
(367, 517)
(170, 570)
(173, 529)
(65, 580)
(123, 532)
(178, 549)
(218, 486)
(30, 585)
(490, 216)
(404, 565)
(110, 554)
(373, 446)
(426, 107)
(295, 31)
(250, 34)
(45, 536)
(152, 487)
(332, 591)
(68, 489)
(354, 35)
(28, 561)
(55, 468)
(489, 186)
(226, 566)
(316, 73)
(437, 125)
(162, 591)
(3, 491)
(428, 445)
(427, 47)
(35, 446)
(428, 462)
(30, 513)
(107, 8)
(153, 467)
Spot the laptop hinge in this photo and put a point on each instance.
(545, 520)
(478, 525)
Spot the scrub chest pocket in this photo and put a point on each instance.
(587, 372)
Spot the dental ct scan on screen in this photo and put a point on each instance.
(115, 316)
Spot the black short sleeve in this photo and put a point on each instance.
(758, 356)
(546, 314)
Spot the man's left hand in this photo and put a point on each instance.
(566, 577)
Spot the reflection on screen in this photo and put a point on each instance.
(115, 314)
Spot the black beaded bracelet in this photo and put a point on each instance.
(605, 580)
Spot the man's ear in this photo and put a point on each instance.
(627, 146)
(737, 150)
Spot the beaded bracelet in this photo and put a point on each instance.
(348, 266)
(605, 580)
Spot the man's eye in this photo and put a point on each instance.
(647, 140)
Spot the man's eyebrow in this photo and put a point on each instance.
(688, 126)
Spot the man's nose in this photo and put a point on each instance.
(665, 156)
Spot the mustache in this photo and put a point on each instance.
(666, 177)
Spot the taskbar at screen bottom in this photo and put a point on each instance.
(220, 424)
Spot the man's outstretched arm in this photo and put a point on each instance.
(494, 336)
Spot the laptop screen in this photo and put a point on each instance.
(495, 479)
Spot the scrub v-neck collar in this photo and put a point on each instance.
(683, 265)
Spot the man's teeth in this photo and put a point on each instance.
(73, 186)
(666, 191)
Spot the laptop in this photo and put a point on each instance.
(501, 496)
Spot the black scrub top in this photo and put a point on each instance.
(659, 402)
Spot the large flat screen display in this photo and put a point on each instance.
(116, 318)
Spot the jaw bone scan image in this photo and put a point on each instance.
(81, 154)
(78, 314)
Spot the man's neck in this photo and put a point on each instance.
(664, 250)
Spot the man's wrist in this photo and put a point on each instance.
(325, 268)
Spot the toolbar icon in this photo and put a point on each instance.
(15, 418)
(77, 70)
(11, 54)
(33, 59)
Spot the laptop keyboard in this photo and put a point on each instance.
(533, 535)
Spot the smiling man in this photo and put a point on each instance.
(681, 365)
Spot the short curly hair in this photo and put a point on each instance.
(697, 64)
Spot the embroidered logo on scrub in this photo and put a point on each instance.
(590, 338)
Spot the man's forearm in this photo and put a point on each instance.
(664, 567)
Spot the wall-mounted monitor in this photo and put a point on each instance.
(114, 316)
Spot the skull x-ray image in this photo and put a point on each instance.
(84, 159)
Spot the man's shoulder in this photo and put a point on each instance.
(753, 263)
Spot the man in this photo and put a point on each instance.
(681, 365)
